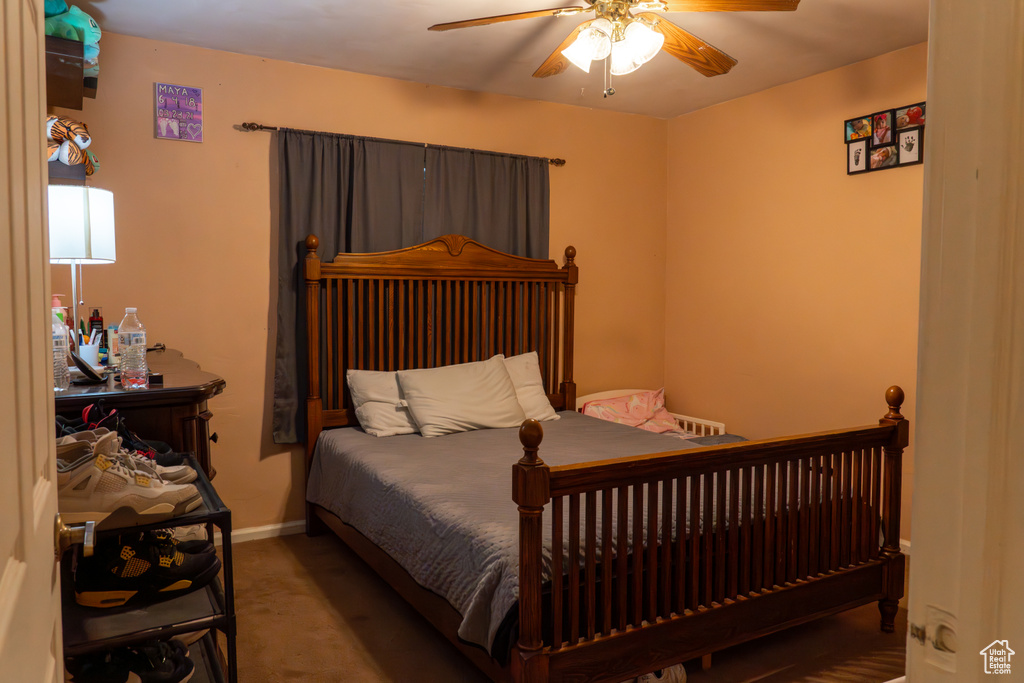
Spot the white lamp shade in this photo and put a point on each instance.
(639, 44)
(81, 224)
(593, 42)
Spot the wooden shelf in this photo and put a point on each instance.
(62, 174)
(66, 86)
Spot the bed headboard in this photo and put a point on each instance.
(449, 300)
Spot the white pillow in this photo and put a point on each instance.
(524, 370)
(380, 409)
(461, 398)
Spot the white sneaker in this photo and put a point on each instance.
(193, 532)
(94, 484)
(177, 474)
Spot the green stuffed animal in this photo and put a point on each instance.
(54, 7)
(74, 25)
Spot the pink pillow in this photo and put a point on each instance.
(645, 410)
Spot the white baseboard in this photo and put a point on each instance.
(255, 533)
(905, 546)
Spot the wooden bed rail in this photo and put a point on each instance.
(649, 541)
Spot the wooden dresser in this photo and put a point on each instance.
(174, 411)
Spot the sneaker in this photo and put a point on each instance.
(160, 662)
(191, 532)
(140, 571)
(165, 455)
(156, 662)
(65, 426)
(192, 546)
(94, 484)
(673, 674)
(179, 474)
(191, 637)
(96, 667)
(95, 415)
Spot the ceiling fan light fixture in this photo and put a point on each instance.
(593, 42)
(638, 46)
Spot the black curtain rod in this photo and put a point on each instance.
(249, 127)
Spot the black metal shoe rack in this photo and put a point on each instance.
(89, 629)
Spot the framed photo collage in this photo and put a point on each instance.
(885, 139)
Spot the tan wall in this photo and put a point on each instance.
(792, 288)
(194, 222)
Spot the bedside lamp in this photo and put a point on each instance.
(81, 232)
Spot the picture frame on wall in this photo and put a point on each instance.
(910, 116)
(881, 128)
(858, 128)
(910, 143)
(885, 139)
(886, 156)
(857, 156)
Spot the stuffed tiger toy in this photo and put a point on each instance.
(67, 140)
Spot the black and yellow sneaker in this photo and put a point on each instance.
(141, 571)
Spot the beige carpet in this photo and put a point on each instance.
(309, 610)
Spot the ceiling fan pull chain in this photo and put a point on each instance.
(608, 89)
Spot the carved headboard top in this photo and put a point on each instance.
(448, 256)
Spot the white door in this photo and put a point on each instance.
(30, 642)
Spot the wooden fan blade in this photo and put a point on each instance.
(483, 21)
(556, 62)
(690, 49)
(731, 5)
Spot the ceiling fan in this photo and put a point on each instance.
(631, 33)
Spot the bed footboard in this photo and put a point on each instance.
(657, 559)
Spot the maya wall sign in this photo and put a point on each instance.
(885, 139)
(179, 112)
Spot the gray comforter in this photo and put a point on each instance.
(442, 507)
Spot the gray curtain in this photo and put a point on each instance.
(499, 200)
(355, 195)
(362, 195)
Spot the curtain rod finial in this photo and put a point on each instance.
(250, 126)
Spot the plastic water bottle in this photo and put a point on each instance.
(131, 339)
(61, 374)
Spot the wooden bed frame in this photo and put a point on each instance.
(776, 532)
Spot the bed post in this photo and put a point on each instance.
(895, 571)
(531, 490)
(568, 387)
(314, 406)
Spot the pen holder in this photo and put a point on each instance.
(90, 353)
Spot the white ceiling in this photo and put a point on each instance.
(390, 38)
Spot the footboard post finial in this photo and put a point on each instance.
(530, 435)
(893, 469)
(531, 490)
(892, 484)
(894, 398)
